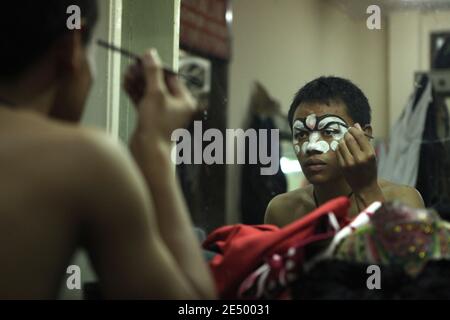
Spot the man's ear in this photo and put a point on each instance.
(69, 52)
(368, 129)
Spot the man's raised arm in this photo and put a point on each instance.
(164, 105)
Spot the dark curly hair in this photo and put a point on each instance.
(327, 89)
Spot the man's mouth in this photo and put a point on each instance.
(314, 164)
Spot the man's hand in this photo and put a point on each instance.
(163, 103)
(357, 159)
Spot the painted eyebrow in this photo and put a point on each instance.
(332, 119)
(330, 115)
(334, 122)
(305, 128)
(321, 118)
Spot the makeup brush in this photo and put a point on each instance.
(366, 134)
(134, 56)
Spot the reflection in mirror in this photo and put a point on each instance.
(287, 44)
(257, 62)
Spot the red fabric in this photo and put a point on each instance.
(243, 248)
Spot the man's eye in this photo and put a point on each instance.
(329, 132)
(300, 134)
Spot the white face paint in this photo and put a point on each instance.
(315, 144)
(311, 121)
(297, 126)
(338, 126)
(334, 145)
(330, 126)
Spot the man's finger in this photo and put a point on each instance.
(133, 87)
(132, 94)
(179, 90)
(153, 72)
(340, 158)
(361, 139)
(175, 86)
(345, 153)
(353, 146)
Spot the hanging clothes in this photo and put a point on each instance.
(257, 190)
(433, 180)
(400, 164)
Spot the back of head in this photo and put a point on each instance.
(28, 28)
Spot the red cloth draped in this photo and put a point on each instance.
(243, 248)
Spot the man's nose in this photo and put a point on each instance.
(312, 151)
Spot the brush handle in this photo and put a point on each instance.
(134, 56)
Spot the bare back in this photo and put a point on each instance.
(63, 187)
(38, 230)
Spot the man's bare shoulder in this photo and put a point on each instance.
(294, 196)
(93, 158)
(58, 153)
(397, 192)
(28, 130)
(287, 207)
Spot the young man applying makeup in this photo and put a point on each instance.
(330, 121)
(64, 186)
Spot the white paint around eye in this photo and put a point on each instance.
(298, 125)
(336, 136)
(311, 121)
(329, 119)
(340, 135)
(315, 141)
